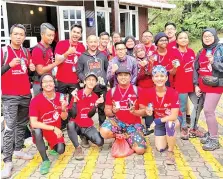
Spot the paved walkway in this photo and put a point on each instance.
(191, 161)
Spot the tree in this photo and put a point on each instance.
(190, 15)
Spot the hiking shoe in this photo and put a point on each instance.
(79, 154)
(84, 142)
(205, 138)
(45, 167)
(7, 170)
(184, 134)
(211, 145)
(195, 133)
(148, 132)
(170, 158)
(22, 155)
(53, 153)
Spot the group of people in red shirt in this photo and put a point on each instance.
(146, 80)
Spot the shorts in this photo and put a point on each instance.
(160, 130)
(133, 132)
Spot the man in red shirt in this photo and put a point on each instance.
(68, 51)
(16, 96)
(42, 55)
(103, 44)
(83, 106)
(121, 108)
(147, 40)
(170, 31)
(46, 111)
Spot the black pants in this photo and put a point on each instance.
(66, 88)
(101, 113)
(90, 133)
(148, 121)
(38, 134)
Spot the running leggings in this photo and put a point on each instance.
(38, 134)
(90, 133)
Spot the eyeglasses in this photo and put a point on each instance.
(147, 36)
(163, 41)
(207, 36)
(50, 81)
(120, 49)
(170, 29)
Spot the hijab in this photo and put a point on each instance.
(216, 39)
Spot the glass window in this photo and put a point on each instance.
(66, 25)
(78, 14)
(134, 25)
(122, 7)
(132, 8)
(79, 22)
(110, 4)
(72, 22)
(66, 35)
(101, 22)
(124, 24)
(65, 14)
(2, 34)
(110, 20)
(100, 3)
(1, 11)
(2, 23)
(72, 14)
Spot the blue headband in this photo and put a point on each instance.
(159, 69)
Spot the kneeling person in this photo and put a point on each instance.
(46, 111)
(122, 111)
(82, 108)
(164, 103)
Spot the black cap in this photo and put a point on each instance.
(91, 74)
(159, 36)
(123, 69)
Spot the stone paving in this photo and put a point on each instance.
(191, 161)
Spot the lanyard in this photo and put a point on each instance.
(160, 61)
(54, 105)
(15, 53)
(123, 95)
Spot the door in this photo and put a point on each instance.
(102, 21)
(67, 16)
(4, 24)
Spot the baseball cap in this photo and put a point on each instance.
(123, 69)
(91, 74)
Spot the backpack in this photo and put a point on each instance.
(6, 53)
(135, 89)
(36, 76)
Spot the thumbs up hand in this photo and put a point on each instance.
(31, 65)
(100, 100)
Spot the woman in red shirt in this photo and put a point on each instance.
(208, 62)
(182, 61)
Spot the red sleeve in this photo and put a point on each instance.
(108, 100)
(37, 56)
(33, 108)
(59, 48)
(81, 49)
(175, 99)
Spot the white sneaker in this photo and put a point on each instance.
(22, 155)
(7, 170)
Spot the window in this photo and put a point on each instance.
(4, 23)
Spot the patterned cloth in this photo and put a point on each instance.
(133, 132)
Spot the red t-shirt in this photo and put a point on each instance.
(162, 60)
(161, 105)
(183, 79)
(172, 44)
(65, 73)
(106, 53)
(84, 105)
(38, 56)
(150, 50)
(206, 69)
(113, 51)
(45, 111)
(16, 80)
(121, 95)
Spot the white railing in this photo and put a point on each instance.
(32, 40)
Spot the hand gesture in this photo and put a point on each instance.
(149, 110)
(58, 132)
(31, 65)
(114, 68)
(64, 105)
(115, 106)
(14, 62)
(210, 58)
(143, 63)
(132, 106)
(198, 91)
(100, 100)
(71, 50)
(74, 94)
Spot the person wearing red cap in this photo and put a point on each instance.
(83, 106)
(121, 108)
